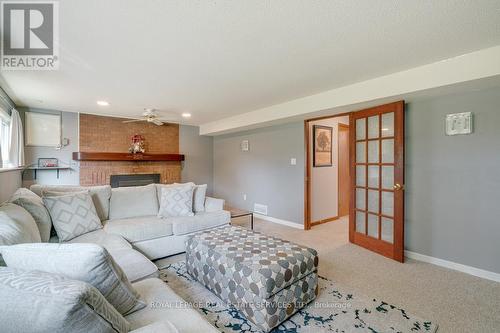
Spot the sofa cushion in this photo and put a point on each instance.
(17, 226)
(170, 307)
(163, 326)
(201, 221)
(137, 229)
(176, 201)
(34, 205)
(72, 215)
(134, 264)
(100, 195)
(109, 241)
(133, 201)
(90, 263)
(35, 301)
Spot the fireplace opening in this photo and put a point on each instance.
(134, 180)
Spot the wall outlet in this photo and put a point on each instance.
(260, 209)
(293, 161)
(244, 197)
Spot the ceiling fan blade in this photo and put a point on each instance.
(156, 122)
(133, 121)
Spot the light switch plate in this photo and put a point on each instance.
(293, 161)
(459, 123)
(245, 145)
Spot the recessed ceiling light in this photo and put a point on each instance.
(186, 115)
(102, 103)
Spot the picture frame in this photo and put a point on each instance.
(42, 129)
(322, 146)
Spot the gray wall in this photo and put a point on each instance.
(66, 177)
(10, 181)
(453, 183)
(264, 173)
(199, 154)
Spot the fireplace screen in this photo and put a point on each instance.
(134, 180)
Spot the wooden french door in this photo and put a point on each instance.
(376, 214)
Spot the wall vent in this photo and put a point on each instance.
(260, 209)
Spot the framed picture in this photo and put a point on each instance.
(322, 146)
(42, 129)
(48, 162)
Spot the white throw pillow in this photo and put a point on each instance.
(176, 201)
(90, 263)
(72, 215)
(200, 193)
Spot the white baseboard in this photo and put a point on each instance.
(455, 266)
(279, 221)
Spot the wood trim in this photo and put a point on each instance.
(330, 219)
(345, 127)
(330, 116)
(307, 185)
(104, 156)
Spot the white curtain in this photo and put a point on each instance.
(16, 141)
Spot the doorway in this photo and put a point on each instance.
(327, 181)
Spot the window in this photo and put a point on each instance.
(4, 139)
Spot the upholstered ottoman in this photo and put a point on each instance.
(268, 279)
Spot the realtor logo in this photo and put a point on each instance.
(30, 35)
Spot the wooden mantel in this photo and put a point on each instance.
(104, 156)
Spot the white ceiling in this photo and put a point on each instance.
(217, 59)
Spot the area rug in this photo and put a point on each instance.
(334, 310)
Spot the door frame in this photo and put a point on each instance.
(307, 177)
(348, 127)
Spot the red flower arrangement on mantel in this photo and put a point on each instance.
(137, 144)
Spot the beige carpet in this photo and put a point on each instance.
(457, 302)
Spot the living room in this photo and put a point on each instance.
(230, 166)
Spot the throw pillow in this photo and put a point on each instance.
(100, 195)
(200, 193)
(176, 201)
(72, 215)
(35, 301)
(34, 205)
(17, 226)
(90, 263)
(134, 201)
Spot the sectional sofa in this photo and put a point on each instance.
(133, 234)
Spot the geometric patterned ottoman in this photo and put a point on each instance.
(266, 278)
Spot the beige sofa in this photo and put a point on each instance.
(133, 233)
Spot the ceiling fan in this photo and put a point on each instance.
(148, 115)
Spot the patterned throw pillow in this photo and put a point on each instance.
(36, 301)
(200, 192)
(176, 201)
(72, 215)
(89, 263)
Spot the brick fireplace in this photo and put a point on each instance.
(109, 135)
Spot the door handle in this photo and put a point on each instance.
(398, 187)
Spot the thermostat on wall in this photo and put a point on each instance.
(459, 123)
